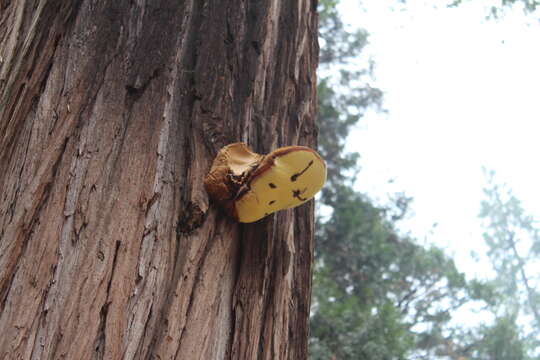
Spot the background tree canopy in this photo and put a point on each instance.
(379, 294)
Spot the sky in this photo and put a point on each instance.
(461, 92)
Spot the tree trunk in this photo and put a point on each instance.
(111, 113)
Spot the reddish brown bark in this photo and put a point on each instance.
(111, 113)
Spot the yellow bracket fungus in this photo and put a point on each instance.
(250, 186)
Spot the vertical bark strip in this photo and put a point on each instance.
(110, 115)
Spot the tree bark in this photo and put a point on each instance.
(111, 113)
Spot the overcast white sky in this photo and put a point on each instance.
(461, 93)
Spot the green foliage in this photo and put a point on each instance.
(337, 44)
(501, 341)
(512, 239)
(372, 287)
(345, 325)
(378, 294)
(529, 6)
(341, 104)
(333, 129)
(344, 328)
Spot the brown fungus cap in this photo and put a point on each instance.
(250, 186)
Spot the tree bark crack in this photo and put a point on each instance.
(100, 340)
(136, 91)
(28, 228)
(194, 290)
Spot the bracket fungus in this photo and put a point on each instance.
(250, 186)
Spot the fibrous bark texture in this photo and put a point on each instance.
(111, 113)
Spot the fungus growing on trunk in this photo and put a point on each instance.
(250, 186)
